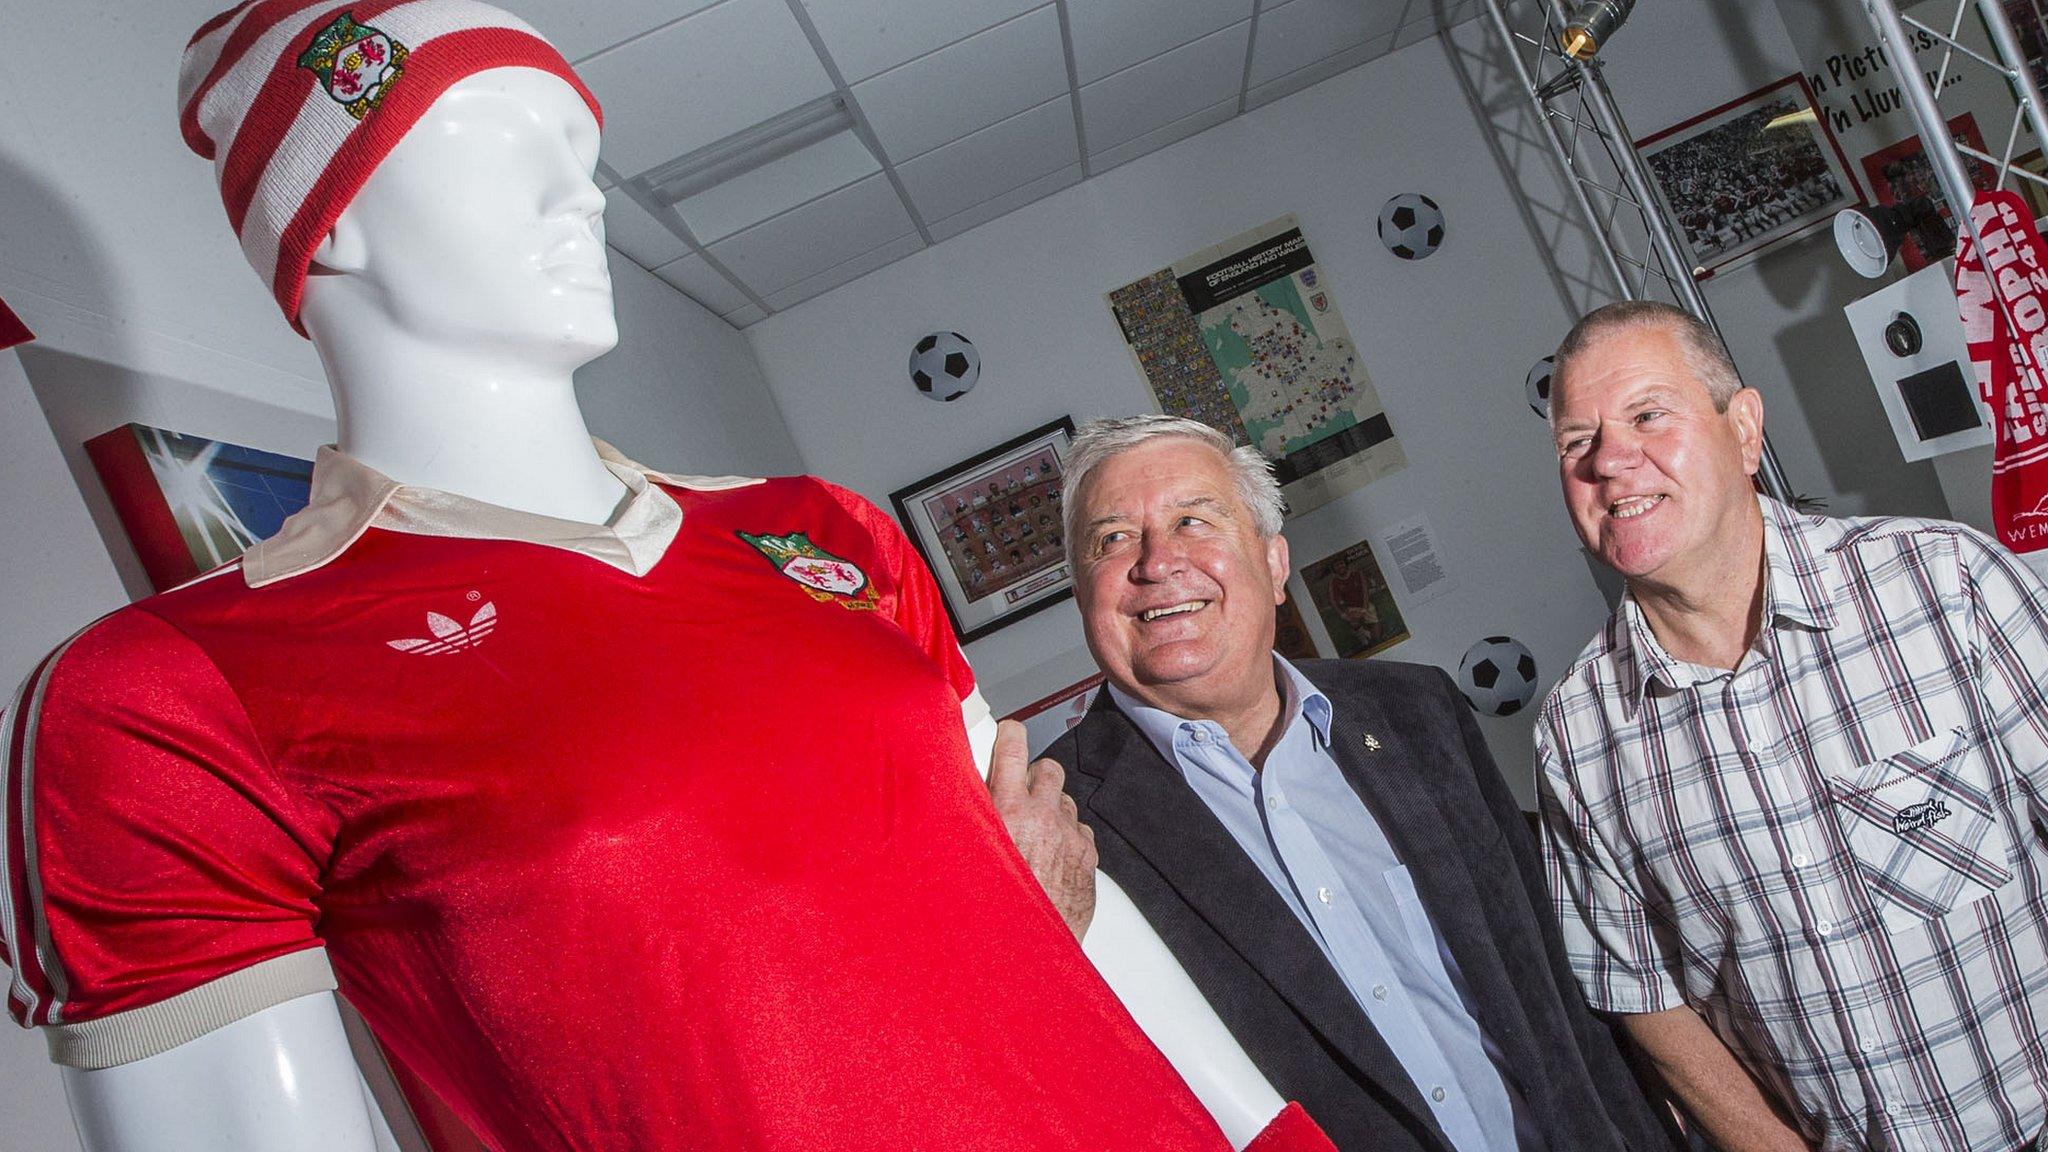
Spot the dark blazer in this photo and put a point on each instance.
(1432, 786)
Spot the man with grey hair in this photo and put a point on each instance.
(1793, 791)
(1326, 848)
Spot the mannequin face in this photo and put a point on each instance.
(482, 229)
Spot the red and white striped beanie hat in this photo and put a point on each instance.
(296, 102)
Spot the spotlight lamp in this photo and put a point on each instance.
(1869, 237)
(1591, 23)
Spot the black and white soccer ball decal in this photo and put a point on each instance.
(1537, 385)
(1411, 226)
(944, 366)
(1497, 676)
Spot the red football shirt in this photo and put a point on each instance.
(660, 836)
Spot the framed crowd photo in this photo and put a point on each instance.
(1900, 172)
(1751, 174)
(990, 530)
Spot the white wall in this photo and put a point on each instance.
(115, 250)
(1447, 342)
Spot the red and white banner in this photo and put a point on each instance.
(2005, 320)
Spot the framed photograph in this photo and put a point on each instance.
(1357, 607)
(190, 504)
(1750, 175)
(1901, 172)
(989, 528)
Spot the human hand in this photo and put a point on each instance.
(1046, 826)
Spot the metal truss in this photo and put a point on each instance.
(2008, 61)
(1610, 186)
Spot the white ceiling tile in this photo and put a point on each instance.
(578, 28)
(1301, 32)
(853, 269)
(777, 186)
(1164, 89)
(751, 314)
(1160, 137)
(1110, 35)
(1319, 71)
(699, 80)
(700, 282)
(870, 36)
(971, 85)
(1008, 202)
(824, 233)
(629, 228)
(988, 163)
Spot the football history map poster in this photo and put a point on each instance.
(1245, 337)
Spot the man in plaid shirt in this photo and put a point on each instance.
(1794, 792)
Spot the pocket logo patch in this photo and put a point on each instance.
(1914, 817)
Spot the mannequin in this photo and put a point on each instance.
(450, 302)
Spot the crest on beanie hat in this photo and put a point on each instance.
(356, 63)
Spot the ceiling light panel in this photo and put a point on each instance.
(702, 79)
(941, 97)
(815, 237)
(1111, 35)
(629, 228)
(866, 37)
(1166, 88)
(777, 186)
(955, 177)
(578, 28)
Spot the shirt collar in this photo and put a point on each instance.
(1801, 585)
(1302, 700)
(350, 497)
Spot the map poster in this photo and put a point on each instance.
(1246, 338)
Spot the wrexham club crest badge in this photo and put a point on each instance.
(356, 63)
(823, 575)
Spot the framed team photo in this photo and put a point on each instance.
(990, 530)
(1751, 174)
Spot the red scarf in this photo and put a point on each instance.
(2008, 362)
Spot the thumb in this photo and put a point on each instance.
(1009, 764)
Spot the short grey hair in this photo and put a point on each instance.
(1099, 440)
(1705, 356)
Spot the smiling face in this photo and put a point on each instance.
(1176, 586)
(1656, 480)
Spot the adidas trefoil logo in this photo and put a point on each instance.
(449, 636)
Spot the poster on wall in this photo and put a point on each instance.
(1245, 337)
(1749, 175)
(1901, 172)
(190, 504)
(1357, 607)
(989, 528)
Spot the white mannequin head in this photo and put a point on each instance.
(480, 233)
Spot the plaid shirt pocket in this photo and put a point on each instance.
(1923, 828)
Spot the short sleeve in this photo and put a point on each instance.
(1614, 943)
(159, 882)
(911, 596)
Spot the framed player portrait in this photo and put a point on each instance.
(1749, 175)
(990, 530)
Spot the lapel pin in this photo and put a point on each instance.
(1372, 742)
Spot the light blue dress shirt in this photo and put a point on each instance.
(1321, 849)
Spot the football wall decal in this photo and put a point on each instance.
(944, 366)
(1411, 226)
(1497, 676)
(1538, 386)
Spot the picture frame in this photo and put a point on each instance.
(1901, 171)
(1747, 176)
(990, 530)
